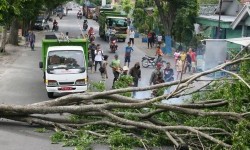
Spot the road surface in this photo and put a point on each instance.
(21, 83)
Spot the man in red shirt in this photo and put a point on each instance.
(193, 59)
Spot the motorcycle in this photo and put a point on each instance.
(55, 28)
(79, 15)
(151, 61)
(113, 46)
(85, 25)
(91, 37)
(60, 15)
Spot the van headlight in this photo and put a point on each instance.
(80, 82)
(52, 83)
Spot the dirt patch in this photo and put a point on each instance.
(11, 54)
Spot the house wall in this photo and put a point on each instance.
(247, 22)
(233, 9)
(236, 33)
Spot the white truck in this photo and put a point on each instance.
(64, 64)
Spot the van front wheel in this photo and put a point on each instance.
(50, 94)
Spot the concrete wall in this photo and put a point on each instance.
(215, 53)
(233, 9)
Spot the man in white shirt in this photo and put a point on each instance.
(132, 37)
(159, 40)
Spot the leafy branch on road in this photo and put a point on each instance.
(216, 117)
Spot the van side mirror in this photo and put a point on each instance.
(41, 65)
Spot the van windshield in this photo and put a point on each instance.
(65, 59)
(117, 22)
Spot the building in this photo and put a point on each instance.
(233, 21)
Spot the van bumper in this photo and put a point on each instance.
(67, 89)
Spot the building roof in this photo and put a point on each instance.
(216, 18)
(243, 14)
(244, 41)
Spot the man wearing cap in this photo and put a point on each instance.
(125, 70)
(157, 75)
(116, 66)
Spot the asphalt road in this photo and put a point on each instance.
(21, 83)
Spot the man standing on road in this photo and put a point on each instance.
(135, 72)
(156, 74)
(132, 37)
(116, 67)
(32, 39)
(92, 48)
(159, 54)
(156, 78)
(193, 59)
(128, 50)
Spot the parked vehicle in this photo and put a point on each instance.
(41, 25)
(151, 61)
(64, 65)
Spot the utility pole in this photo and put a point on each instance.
(218, 29)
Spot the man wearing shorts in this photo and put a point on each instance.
(193, 59)
(128, 50)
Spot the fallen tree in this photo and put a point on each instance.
(216, 115)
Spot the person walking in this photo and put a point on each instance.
(116, 67)
(32, 39)
(128, 50)
(135, 72)
(176, 55)
(193, 59)
(159, 40)
(98, 56)
(156, 78)
(179, 66)
(150, 40)
(159, 54)
(92, 48)
(132, 37)
(153, 38)
(156, 74)
(104, 72)
(168, 73)
(188, 63)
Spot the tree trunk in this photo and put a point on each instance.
(13, 38)
(3, 39)
(167, 17)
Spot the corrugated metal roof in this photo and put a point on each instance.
(216, 17)
(244, 41)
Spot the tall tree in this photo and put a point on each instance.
(169, 10)
(184, 23)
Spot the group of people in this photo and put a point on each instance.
(185, 60)
(118, 71)
(154, 39)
